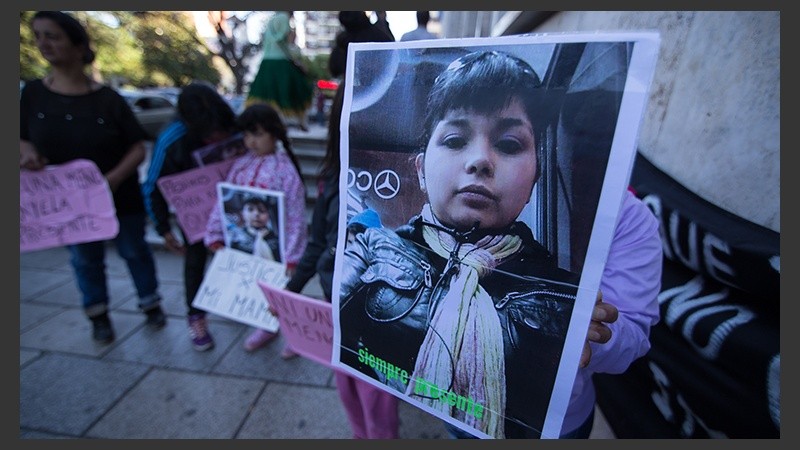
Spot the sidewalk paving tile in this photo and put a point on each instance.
(170, 347)
(66, 394)
(170, 404)
(71, 332)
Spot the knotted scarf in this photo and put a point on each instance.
(463, 347)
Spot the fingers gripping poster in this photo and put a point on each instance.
(483, 178)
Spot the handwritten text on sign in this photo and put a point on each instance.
(230, 287)
(65, 204)
(192, 195)
(306, 323)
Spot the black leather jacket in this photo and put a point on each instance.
(391, 284)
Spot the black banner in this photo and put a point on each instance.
(714, 367)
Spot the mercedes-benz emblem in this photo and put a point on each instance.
(387, 184)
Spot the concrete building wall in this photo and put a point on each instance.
(713, 119)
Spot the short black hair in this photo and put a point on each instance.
(423, 17)
(487, 82)
(256, 200)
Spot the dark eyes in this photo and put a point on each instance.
(510, 146)
(454, 142)
(505, 145)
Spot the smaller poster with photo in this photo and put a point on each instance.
(230, 148)
(253, 220)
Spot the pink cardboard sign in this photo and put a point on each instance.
(306, 323)
(64, 204)
(192, 194)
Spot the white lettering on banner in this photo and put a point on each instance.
(661, 399)
(714, 265)
(683, 300)
(695, 238)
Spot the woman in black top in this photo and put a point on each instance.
(67, 116)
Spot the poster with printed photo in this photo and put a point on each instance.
(483, 180)
(253, 220)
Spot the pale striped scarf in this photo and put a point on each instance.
(464, 342)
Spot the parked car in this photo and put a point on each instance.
(154, 110)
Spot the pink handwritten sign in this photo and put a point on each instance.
(192, 194)
(306, 323)
(64, 204)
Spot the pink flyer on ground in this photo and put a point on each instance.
(64, 204)
(306, 322)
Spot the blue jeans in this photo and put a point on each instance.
(88, 261)
(582, 432)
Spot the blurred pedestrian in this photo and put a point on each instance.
(383, 24)
(357, 28)
(421, 32)
(282, 79)
(67, 115)
(203, 118)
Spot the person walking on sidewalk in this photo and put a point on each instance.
(67, 115)
(203, 118)
(267, 165)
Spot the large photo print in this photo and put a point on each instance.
(483, 178)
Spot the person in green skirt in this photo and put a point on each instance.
(281, 80)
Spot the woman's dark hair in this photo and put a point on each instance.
(486, 82)
(74, 30)
(267, 117)
(204, 111)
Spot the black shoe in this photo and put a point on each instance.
(156, 318)
(101, 329)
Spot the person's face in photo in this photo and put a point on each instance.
(479, 168)
(260, 142)
(54, 44)
(255, 215)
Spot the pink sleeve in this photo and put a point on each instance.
(631, 282)
(296, 219)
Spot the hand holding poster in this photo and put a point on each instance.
(230, 288)
(192, 195)
(306, 323)
(65, 204)
(473, 298)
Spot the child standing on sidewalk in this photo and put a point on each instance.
(267, 165)
(203, 118)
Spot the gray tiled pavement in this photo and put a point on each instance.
(153, 384)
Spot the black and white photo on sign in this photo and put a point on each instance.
(483, 180)
(253, 220)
